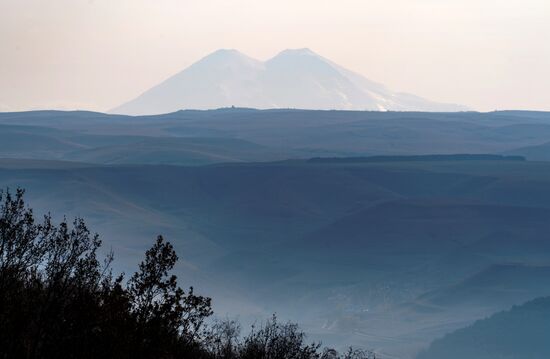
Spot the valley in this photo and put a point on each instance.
(387, 252)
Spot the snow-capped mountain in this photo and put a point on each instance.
(292, 79)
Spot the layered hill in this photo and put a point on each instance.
(384, 255)
(235, 135)
(386, 252)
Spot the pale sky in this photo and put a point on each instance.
(96, 54)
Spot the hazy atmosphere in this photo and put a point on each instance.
(261, 179)
(97, 54)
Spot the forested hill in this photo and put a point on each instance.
(520, 333)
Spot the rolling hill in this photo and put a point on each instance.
(362, 247)
(202, 137)
(386, 252)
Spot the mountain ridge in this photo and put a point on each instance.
(294, 78)
(515, 333)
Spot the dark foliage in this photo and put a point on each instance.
(272, 340)
(58, 300)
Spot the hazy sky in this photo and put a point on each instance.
(96, 54)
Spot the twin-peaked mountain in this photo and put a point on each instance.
(293, 79)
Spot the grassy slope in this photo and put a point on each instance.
(266, 230)
(286, 133)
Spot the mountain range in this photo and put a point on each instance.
(297, 78)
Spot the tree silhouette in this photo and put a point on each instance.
(59, 300)
(161, 308)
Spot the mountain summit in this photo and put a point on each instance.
(296, 78)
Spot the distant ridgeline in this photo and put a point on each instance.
(519, 333)
(417, 158)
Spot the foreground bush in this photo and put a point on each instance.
(59, 300)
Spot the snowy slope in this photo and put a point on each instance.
(292, 79)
